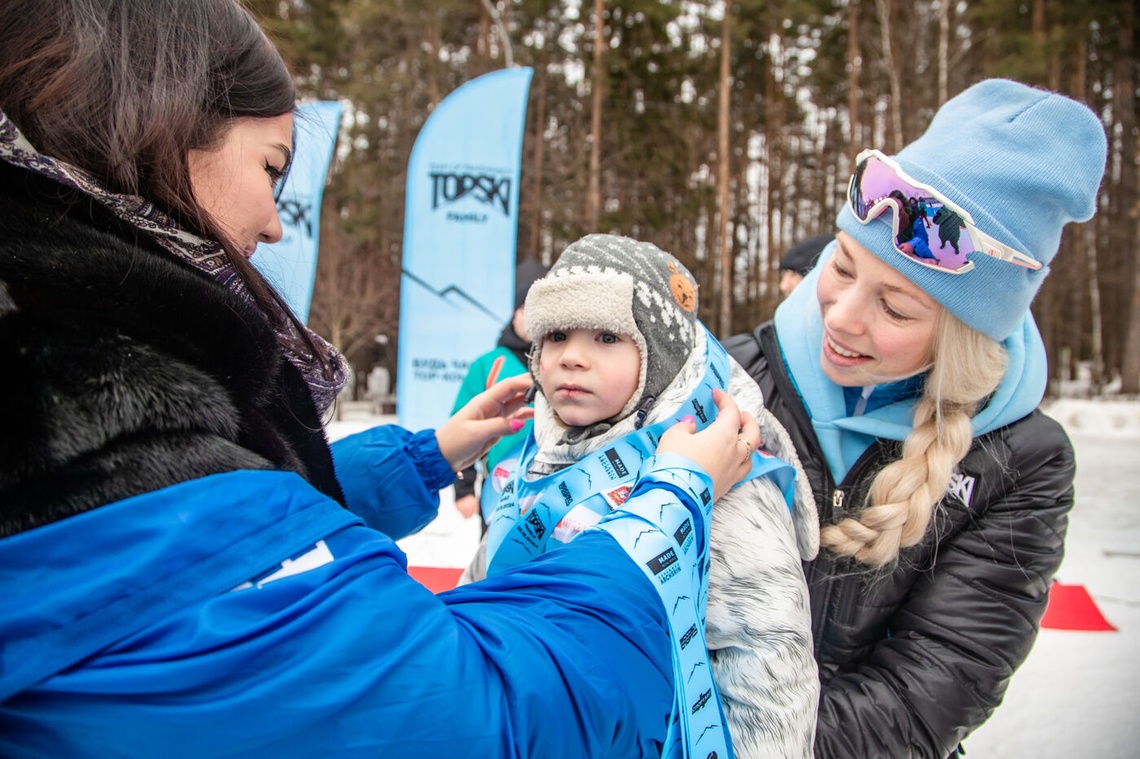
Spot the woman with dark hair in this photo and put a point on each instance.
(187, 568)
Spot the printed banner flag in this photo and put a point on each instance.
(291, 264)
(460, 230)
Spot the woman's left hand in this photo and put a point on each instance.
(471, 431)
(723, 448)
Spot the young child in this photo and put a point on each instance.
(618, 352)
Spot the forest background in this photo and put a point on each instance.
(722, 132)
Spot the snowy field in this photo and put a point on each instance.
(1077, 695)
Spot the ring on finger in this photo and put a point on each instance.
(747, 446)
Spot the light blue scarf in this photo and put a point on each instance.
(843, 438)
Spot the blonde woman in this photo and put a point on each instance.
(908, 370)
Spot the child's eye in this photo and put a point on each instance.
(555, 337)
(608, 338)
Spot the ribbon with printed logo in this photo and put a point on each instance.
(659, 538)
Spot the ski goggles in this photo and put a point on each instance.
(928, 228)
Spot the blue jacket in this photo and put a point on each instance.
(206, 654)
(179, 574)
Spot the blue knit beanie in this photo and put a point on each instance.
(1024, 162)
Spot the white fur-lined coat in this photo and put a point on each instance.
(759, 622)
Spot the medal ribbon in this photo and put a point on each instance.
(601, 492)
(529, 512)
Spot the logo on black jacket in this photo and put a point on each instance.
(961, 486)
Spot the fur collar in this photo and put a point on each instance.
(125, 371)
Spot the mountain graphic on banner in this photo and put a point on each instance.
(452, 290)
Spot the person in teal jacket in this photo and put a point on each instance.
(187, 568)
(507, 359)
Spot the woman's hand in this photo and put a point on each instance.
(723, 449)
(471, 431)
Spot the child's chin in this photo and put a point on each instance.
(575, 417)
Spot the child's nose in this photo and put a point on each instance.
(574, 353)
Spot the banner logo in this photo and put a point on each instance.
(297, 214)
(448, 187)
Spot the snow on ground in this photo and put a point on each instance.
(1076, 695)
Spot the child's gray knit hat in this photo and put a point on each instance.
(625, 286)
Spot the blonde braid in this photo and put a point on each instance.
(967, 367)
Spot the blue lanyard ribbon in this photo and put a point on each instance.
(659, 538)
(527, 513)
(599, 491)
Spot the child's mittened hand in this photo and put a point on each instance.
(723, 449)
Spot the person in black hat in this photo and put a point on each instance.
(799, 260)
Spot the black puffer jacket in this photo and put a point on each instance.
(123, 370)
(914, 657)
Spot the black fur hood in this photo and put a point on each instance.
(124, 370)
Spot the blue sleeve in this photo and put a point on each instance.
(565, 657)
(580, 630)
(391, 477)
